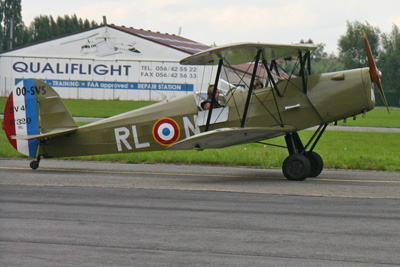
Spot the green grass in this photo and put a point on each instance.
(101, 108)
(378, 117)
(344, 150)
(94, 108)
(340, 150)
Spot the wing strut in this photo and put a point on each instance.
(270, 77)
(303, 61)
(274, 66)
(253, 77)
(220, 63)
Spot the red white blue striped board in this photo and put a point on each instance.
(21, 117)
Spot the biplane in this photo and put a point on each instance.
(38, 124)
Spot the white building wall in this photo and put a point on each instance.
(97, 64)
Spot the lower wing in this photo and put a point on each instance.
(229, 137)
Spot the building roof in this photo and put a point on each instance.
(170, 40)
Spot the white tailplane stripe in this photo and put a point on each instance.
(25, 116)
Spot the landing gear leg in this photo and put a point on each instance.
(35, 163)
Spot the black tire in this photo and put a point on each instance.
(296, 167)
(317, 164)
(34, 164)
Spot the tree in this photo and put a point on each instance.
(45, 27)
(320, 60)
(351, 45)
(22, 35)
(41, 28)
(10, 19)
(389, 60)
(319, 52)
(61, 25)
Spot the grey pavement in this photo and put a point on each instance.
(74, 213)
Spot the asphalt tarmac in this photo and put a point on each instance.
(73, 213)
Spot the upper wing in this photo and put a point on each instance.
(245, 52)
(230, 136)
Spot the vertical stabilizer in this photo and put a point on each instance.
(34, 108)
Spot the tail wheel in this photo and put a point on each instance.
(296, 167)
(317, 164)
(34, 164)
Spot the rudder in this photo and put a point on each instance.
(21, 118)
(34, 108)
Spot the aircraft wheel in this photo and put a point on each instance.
(34, 164)
(296, 167)
(317, 164)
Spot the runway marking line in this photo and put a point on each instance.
(199, 175)
(353, 181)
(133, 172)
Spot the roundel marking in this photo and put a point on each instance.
(166, 131)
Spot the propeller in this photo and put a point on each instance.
(373, 70)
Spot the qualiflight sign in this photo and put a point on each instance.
(166, 131)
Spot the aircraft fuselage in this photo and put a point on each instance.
(330, 97)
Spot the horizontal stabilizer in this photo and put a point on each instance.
(225, 137)
(245, 52)
(53, 133)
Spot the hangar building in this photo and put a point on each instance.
(108, 62)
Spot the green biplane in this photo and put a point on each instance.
(38, 124)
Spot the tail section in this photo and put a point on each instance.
(20, 118)
(34, 111)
